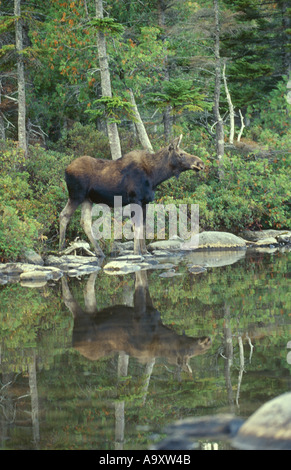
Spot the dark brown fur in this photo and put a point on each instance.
(137, 331)
(134, 177)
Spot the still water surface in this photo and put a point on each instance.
(105, 362)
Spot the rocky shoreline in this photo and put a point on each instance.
(211, 249)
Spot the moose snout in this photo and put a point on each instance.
(198, 165)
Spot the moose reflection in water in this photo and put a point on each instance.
(135, 330)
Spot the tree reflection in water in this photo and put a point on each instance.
(135, 331)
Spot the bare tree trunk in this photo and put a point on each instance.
(34, 399)
(141, 130)
(20, 78)
(228, 345)
(230, 107)
(2, 124)
(167, 118)
(2, 127)
(241, 368)
(242, 126)
(122, 370)
(112, 130)
(217, 116)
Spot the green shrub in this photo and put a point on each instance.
(84, 140)
(11, 157)
(253, 194)
(32, 194)
(273, 114)
(17, 232)
(18, 226)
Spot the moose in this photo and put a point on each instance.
(134, 177)
(135, 330)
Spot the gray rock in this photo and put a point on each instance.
(263, 249)
(71, 259)
(120, 267)
(11, 272)
(220, 241)
(213, 259)
(170, 245)
(121, 247)
(197, 269)
(30, 256)
(202, 241)
(36, 276)
(284, 238)
(82, 270)
(162, 253)
(10, 269)
(131, 257)
(266, 242)
(269, 428)
(255, 236)
(74, 265)
(33, 284)
(133, 263)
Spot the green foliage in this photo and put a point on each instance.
(137, 68)
(17, 232)
(249, 299)
(181, 95)
(64, 101)
(256, 66)
(84, 140)
(31, 197)
(18, 229)
(255, 191)
(112, 108)
(5, 49)
(273, 115)
(106, 25)
(6, 23)
(255, 194)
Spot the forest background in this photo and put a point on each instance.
(217, 71)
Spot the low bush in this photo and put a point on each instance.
(254, 192)
(32, 194)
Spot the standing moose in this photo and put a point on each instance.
(134, 177)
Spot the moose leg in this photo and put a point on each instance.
(139, 233)
(69, 300)
(89, 295)
(86, 222)
(143, 239)
(139, 241)
(65, 217)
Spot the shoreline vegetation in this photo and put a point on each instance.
(254, 195)
(214, 249)
(77, 79)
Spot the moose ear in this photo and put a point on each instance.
(176, 143)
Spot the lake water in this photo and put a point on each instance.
(107, 361)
